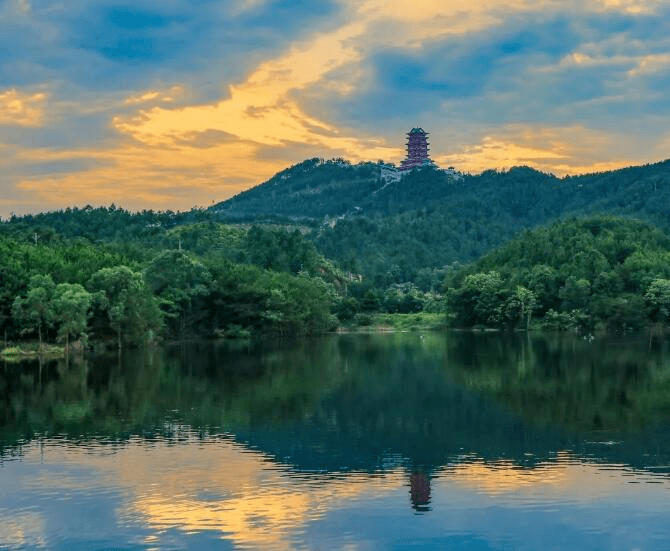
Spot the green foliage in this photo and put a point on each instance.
(657, 298)
(177, 279)
(247, 296)
(310, 189)
(132, 311)
(574, 274)
(71, 304)
(35, 311)
(280, 251)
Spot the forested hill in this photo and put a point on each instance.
(579, 273)
(411, 230)
(311, 189)
(316, 188)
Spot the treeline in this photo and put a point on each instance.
(392, 233)
(202, 279)
(585, 274)
(209, 278)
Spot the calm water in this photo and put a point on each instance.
(354, 442)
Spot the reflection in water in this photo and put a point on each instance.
(419, 484)
(501, 442)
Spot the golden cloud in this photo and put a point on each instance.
(565, 478)
(155, 95)
(139, 176)
(650, 64)
(557, 150)
(631, 6)
(261, 110)
(22, 109)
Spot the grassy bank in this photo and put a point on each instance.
(30, 350)
(377, 322)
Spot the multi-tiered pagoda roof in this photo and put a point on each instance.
(417, 150)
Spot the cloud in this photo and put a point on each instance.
(22, 529)
(558, 150)
(136, 176)
(230, 491)
(155, 96)
(21, 108)
(261, 109)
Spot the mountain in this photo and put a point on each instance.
(410, 229)
(311, 189)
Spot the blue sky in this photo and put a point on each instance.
(173, 104)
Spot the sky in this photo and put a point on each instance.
(180, 103)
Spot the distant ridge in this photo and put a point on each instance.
(398, 230)
(413, 229)
(318, 188)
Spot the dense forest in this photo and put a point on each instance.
(327, 242)
(142, 280)
(579, 274)
(410, 230)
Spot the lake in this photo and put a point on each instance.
(344, 442)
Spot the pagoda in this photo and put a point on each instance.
(417, 150)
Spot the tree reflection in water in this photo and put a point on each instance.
(259, 442)
(345, 403)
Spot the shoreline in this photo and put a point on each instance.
(20, 352)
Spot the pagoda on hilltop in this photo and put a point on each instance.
(417, 150)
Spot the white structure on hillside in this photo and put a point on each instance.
(390, 173)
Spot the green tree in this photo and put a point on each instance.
(177, 279)
(297, 305)
(71, 304)
(35, 311)
(657, 298)
(575, 293)
(130, 307)
(527, 301)
(479, 300)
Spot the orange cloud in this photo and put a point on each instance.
(155, 95)
(557, 150)
(22, 109)
(631, 6)
(567, 478)
(136, 176)
(261, 110)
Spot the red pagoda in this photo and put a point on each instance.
(417, 150)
